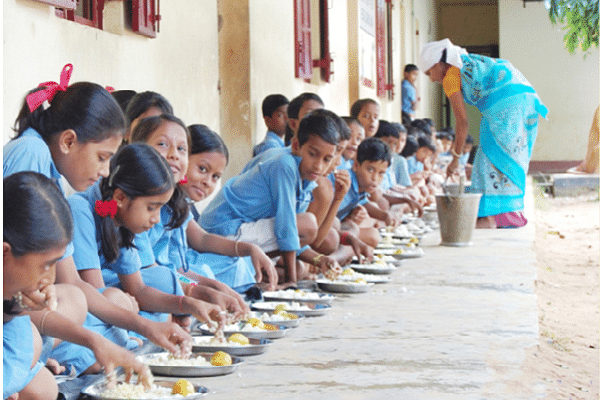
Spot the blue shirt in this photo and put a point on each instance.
(270, 189)
(265, 155)
(271, 141)
(87, 241)
(29, 152)
(409, 94)
(400, 169)
(414, 165)
(162, 245)
(352, 199)
(346, 164)
(389, 180)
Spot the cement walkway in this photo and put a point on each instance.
(454, 324)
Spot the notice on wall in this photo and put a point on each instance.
(366, 42)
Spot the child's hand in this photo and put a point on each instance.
(39, 299)
(326, 263)
(391, 219)
(358, 215)
(342, 184)
(361, 249)
(110, 356)
(168, 335)
(262, 263)
(203, 311)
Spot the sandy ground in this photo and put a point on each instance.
(567, 252)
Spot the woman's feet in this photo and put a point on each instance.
(486, 223)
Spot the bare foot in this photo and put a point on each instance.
(579, 170)
(55, 367)
(486, 223)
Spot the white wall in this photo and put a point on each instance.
(567, 84)
(181, 63)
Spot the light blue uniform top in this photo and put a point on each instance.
(414, 165)
(270, 189)
(346, 164)
(352, 199)
(389, 180)
(400, 169)
(409, 94)
(29, 152)
(87, 240)
(265, 155)
(271, 141)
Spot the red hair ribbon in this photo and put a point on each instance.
(109, 89)
(106, 208)
(36, 99)
(184, 180)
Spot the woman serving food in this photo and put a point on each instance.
(509, 107)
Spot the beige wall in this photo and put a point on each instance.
(469, 23)
(181, 63)
(567, 84)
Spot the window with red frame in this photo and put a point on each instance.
(87, 12)
(303, 57)
(144, 16)
(383, 48)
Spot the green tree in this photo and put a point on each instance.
(581, 19)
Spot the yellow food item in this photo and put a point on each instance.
(183, 387)
(399, 251)
(360, 280)
(220, 359)
(239, 338)
(288, 315)
(348, 271)
(271, 327)
(257, 323)
(279, 308)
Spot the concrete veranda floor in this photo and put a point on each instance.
(454, 324)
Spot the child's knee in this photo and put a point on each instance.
(121, 299)
(330, 243)
(307, 227)
(42, 387)
(72, 303)
(37, 345)
(370, 236)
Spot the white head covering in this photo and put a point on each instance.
(432, 53)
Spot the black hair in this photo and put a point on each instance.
(298, 101)
(123, 97)
(399, 127)
(351, 120)
(449, 130)
(294, 110)
(141, 102)
(358, 106)
(142, 132)
(37, 216)
(411, 146)
(429, 122)
(410, 68)
(469, 140)
(322, 123)
(423, 126)
(85, 107)
(139, 171)
(272, 102)
(343, 128)
(444, 55)
(413, 131)
(204, 140)
(373, 149)
(386, 129)
(442, 135)
(425, 141)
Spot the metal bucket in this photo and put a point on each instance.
(457, 216)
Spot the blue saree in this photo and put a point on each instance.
(509, 106)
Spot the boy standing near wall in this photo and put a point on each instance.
(274, 110)
(410, 99)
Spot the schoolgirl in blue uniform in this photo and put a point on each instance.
(72, 131)
(170, 138)
(108, 216)
(37, 229)
(208, 159)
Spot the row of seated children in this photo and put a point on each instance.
(117, 271)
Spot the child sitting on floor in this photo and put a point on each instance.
(366, 111)
(274, 111)
(266, 205)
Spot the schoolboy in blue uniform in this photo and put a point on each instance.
(261, 205)
(410, 99)
(372, 161)
(274, 110)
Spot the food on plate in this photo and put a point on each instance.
(220, 359)
(360, 280)
(239, 338)
(183, 387)
(280, 307)
(257, 323)
(131, 391)
(166, 359)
